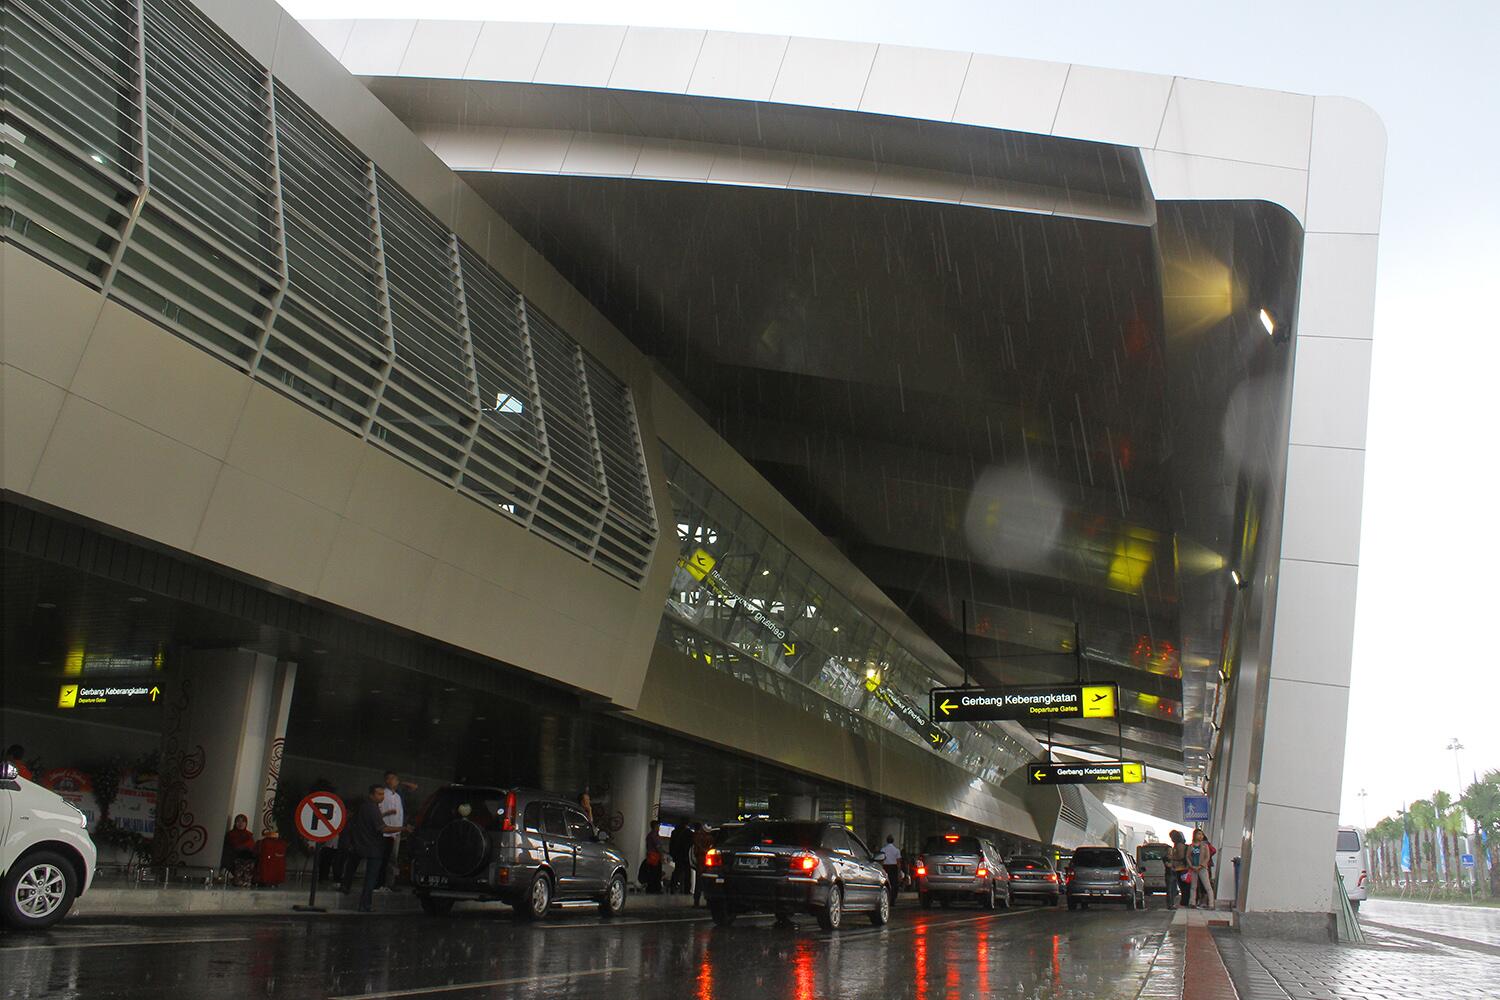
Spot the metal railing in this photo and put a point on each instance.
(146, 154)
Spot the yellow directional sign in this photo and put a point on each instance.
(1110, 772)
(112, 694)
(699, 564)
(1099, 701)
(1026, 704)
(790, 648)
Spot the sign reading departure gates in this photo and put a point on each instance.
(1113, 772)
(1055, 701)
(112, 694)
(320, 817)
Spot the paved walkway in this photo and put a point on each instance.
(1455, 924)
(1451, 962)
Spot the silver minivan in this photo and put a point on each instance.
(1100, 874)
(526, 848)
(1349, 857)
(957, 867)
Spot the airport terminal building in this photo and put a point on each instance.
(667, 413)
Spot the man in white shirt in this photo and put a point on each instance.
(393, 813)
(890, 859)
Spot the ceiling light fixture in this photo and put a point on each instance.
(136, 600)
(1267, 322)
(1234, 575)
(45, 605)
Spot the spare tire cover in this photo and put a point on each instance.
(462, 848)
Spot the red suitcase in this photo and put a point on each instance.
(270, 861)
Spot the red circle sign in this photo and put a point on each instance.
(320, 817)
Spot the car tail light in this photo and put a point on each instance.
(982, 873)
(1070, 873)
(713, 859)
(1124, 875)
(804, 862)
(1362, 874)
(920, 868)
(508, 821)
(1051, 876)
(951, 838)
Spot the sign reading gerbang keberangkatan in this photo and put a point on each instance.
(1054, 701)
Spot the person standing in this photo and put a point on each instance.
(367, 843)
(587, 805)
(651, 865)
(680, 847)
(890, 860)
(1179, 873)
(15, 756)
(1201, 858)
(703, 841)
(393, 814)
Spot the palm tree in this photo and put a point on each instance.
(1482, 802)
(1423, 819)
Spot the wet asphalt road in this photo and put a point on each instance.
(1022, 953)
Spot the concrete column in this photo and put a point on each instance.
(222, 743)
(800, 807)
(634, 791)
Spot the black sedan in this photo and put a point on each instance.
(790, 866)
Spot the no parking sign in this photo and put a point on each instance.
(320, 817)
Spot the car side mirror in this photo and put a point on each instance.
(9, 771)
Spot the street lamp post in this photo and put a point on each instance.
(1364, 812)
(1458, 774)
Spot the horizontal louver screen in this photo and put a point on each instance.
(189, 184)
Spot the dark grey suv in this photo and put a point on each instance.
(526, 848)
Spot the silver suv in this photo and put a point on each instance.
(527, 848)
(1097, 874)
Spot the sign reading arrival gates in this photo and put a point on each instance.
(1056, 701)
(1115, 772)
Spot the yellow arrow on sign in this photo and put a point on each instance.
(947, 707)
(935, 737)
(154, 692)
(790, 647)
(1039, 775)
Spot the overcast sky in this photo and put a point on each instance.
(1422, 673)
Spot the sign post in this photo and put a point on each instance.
(1024, 704)
(1111, 772)
(320, 817)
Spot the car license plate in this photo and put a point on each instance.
(953, 869)
(753, 861)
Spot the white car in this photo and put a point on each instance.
(46, 856)
(1349, 856)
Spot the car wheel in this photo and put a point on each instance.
(987, 901)
(538, 899)
(613, 903)
(944, 902)
(925, 899)
(1010, 899)
(39, 891)
(831, 916)
(1130, 901)
(1072, 904)
(1053, 901)
(435, 906)
(882, 912)
(723, 916)
(1354, 903)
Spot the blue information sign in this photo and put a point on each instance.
(1195, 808)
(1467, 861)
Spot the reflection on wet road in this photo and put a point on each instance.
(1024, 953)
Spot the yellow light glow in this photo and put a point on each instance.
(73, 663)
